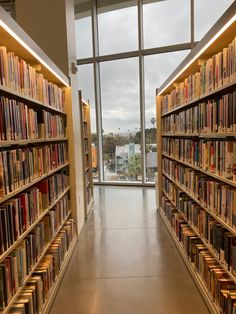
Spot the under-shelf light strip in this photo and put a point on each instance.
(14, 35)
(217, 35)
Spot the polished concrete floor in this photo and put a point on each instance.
(126, 263)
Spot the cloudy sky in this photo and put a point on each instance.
(165, 23)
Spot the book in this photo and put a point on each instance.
(213, 73)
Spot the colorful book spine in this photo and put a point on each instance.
(221, 287)
(19, 76)
(213, 73)
(38, 288)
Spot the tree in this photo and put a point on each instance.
(110, 142)
(134, 166)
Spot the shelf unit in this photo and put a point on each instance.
(87, 155)
(218, 38)
(18, 42)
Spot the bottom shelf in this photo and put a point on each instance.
(89, 207)
(55, 287)
(197, 279)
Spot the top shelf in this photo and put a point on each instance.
(29, 100)
(17, 41)
(219, 36)
(219, 90)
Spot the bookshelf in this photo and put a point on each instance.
(196, 136)
(87, 155)
(38, 223)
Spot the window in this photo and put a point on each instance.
(83, 32)
(121, 120)
(118, 30)
(203, 20)
(157, 68)
(166, 23)
(86, 85)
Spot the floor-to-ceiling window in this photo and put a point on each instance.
(126, 50)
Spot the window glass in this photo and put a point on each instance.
(118, 30)
(203, 20)
(121, 120)
(166, 22)
(83, 32)
(157, 68)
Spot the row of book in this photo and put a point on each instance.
(213, 73)
(213, 116)
(21, 166)
(220, 286)
(221, 241)
(37, 289)
(217, 157)
(17, 214)
(15, 268)
(21, 77)
(19, 122)
(53, 125)
(215, 196)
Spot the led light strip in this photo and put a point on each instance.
(30, 50)
(217, 35)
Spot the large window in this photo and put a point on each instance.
(139, 44)
(203, 20)
(83, 31)
(121, 120)
(166, 23)
(118, 30)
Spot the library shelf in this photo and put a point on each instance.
(59, 278)
(210, 174)
(180, 134)
(33, 141)
(33, 182)
(51, 93)
(203, 97)
(196, 277)
(218, 42)
(183, 189)
(87, 154)
(202, 238)
(201, 135)
(14, 298)
(32, 102)
(90, 204)
(24, 234)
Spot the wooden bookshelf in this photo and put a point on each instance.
(45, 100)
(197, 279)
(201, 98)
(7, 309)
(87, 155)
(175, 196)
(215, 176)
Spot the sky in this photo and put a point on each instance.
(120, 79)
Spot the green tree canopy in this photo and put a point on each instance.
(134, 166)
